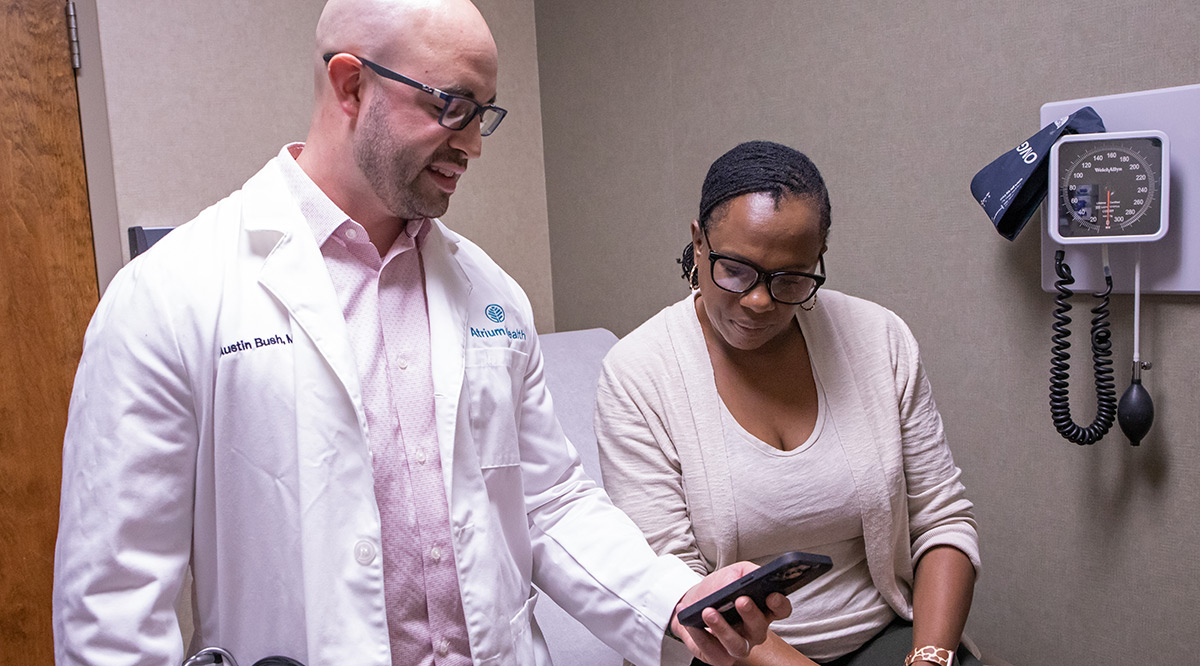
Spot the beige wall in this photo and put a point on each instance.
(199, 95)
(1089, 553)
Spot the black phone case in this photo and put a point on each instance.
(784, 574)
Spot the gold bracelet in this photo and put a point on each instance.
(931, 653)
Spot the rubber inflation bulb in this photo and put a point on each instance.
(1135, 412)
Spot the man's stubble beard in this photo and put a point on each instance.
(393, 170)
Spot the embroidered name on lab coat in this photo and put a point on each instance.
(243, 345)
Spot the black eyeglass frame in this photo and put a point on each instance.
(485, 129)
(763, 276)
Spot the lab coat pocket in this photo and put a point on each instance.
(523, 632)
(494, 377)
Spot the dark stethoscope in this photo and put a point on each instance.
(216, 655)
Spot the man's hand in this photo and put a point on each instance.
(722, 644)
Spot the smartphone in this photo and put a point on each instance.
(784, 574)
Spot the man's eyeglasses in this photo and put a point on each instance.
(458, 111)
(739, 277)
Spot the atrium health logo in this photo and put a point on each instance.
(495, 314)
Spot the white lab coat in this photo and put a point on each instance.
(216, 420)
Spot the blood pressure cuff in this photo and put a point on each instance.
(1012, 187)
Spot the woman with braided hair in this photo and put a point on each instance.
(757, 416)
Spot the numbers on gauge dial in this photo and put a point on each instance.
(1108, 188)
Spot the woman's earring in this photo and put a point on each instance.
(810, 307)
(694, 278)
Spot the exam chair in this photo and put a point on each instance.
(572, 367)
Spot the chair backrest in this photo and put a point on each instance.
(141, 238)
(572, 367)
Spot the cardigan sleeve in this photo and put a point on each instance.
(639, 463)
(938, 511)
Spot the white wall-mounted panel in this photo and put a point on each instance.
(1170, 265)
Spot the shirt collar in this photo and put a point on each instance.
(325, 217)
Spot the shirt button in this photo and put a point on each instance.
(436, 554)
(443, 647)
(421, 456)
(351, 233)
(402, 362)
(364, 552)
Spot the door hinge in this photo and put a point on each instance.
(73, 35)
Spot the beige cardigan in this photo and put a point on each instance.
(658, 424)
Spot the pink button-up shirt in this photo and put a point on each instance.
(383, 301)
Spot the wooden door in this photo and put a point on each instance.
(47, 293)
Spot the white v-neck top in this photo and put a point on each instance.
(805, 500)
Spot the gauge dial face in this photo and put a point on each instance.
(1110, 187)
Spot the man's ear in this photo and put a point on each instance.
(345, 78)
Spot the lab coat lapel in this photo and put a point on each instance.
(294, 271)
(447, 290)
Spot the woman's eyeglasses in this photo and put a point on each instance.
(739, 277)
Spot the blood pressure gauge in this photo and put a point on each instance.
(1110, 188)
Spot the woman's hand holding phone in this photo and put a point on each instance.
(736, 604)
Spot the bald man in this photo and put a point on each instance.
(331, 408)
